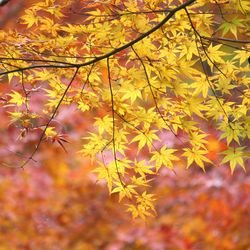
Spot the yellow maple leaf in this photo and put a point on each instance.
(17, 98)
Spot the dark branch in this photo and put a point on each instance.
(113, 52)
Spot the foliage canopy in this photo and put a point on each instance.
(152, 73)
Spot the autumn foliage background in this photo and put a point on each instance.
(57, 202)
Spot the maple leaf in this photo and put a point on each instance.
(104, 124)
(56, 11)
(144, 206)
(231, 26)
(233, 131)
(145, 138)
(164, 158)
(124, 191)
(104, 173)
(242, 56)
(215, 55)
(234, 156)
(30, 18)
(17, 98)
(242, 5)
(50, 132)
(131, 92)
(201, 85)
(196, 155)
(195, 105)
(197, 139)
(142, 169)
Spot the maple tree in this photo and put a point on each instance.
(150, 75)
